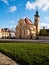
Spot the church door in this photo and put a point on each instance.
(31, 37)
(20, 36)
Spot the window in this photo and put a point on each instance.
(20, 24)
(35, 20)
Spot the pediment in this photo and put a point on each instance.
(21, 22)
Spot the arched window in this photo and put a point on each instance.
(24, 32)
(35, 20)
(20, 32)
(20, 24)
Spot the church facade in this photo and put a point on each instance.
(26, 29)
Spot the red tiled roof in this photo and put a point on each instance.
(4, 30)
(28, 21)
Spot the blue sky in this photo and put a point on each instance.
(12, 10)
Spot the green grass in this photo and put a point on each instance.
(27, 53)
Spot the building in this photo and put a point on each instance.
(12, 34)
(26, 29)
(0, 33)
(4, 33)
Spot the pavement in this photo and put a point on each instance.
(4, 60)
(24, 40)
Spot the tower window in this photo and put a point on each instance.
(35, 20)
(20, 24)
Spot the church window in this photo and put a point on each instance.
(20, 31)
(36, 20)
(20, 24)
(24, 32)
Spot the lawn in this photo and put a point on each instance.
(27, 53)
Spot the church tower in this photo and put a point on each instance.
(36, 22)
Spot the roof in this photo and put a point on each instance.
(28, 21)
(4, 30)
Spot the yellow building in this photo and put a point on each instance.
(0, 33)
(26, 29)
(4, 33)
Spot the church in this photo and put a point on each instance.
(26, 29)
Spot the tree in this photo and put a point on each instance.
(43, 32)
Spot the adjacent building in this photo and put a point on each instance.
(26, 29)
(12, 34)
(4, 33)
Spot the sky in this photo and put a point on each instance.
(12, 10)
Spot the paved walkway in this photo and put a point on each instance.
(23, 40)
(4, 60)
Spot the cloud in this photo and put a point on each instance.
(12, 9)
(5, 1)
(11, 22)
(47, 18)
(46, 25)
(12, 27)
(41, 4)
(23, 17)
